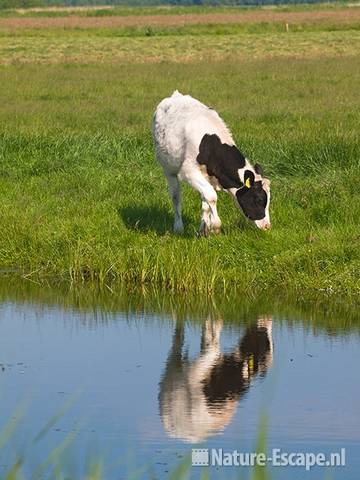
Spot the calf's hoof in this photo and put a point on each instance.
(204, 230)
(178, 228)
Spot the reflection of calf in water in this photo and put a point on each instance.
(198, 398)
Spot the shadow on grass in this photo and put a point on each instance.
(151, 218)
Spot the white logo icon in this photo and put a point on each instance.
(200, 457)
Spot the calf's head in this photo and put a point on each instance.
(254, 197)
(229, 166)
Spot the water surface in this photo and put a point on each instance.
(145, 378)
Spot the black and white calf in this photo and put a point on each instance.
(193, 144)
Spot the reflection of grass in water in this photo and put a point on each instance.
(333, 314)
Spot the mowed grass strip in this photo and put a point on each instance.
(118, 17)
(187, 48)
(181, 30)
(161, 10)
(254, 33)
(81, 196)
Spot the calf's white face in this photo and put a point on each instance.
(264, 223)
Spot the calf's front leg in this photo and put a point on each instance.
(210, 220)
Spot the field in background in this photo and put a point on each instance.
(123, 10)
(160, 17)
(81, 196)
(189, 37)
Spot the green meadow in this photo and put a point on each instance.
(82, 198)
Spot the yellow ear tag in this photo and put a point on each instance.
(251, 363)
(247, 183)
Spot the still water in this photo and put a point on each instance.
(140, 380)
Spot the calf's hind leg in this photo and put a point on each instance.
(175, 193)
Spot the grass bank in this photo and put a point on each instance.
(82, 198)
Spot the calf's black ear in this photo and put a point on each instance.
(249, 178)
(258, 169)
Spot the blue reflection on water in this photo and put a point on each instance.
(117, 362)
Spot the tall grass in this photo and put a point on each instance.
(82, 198)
